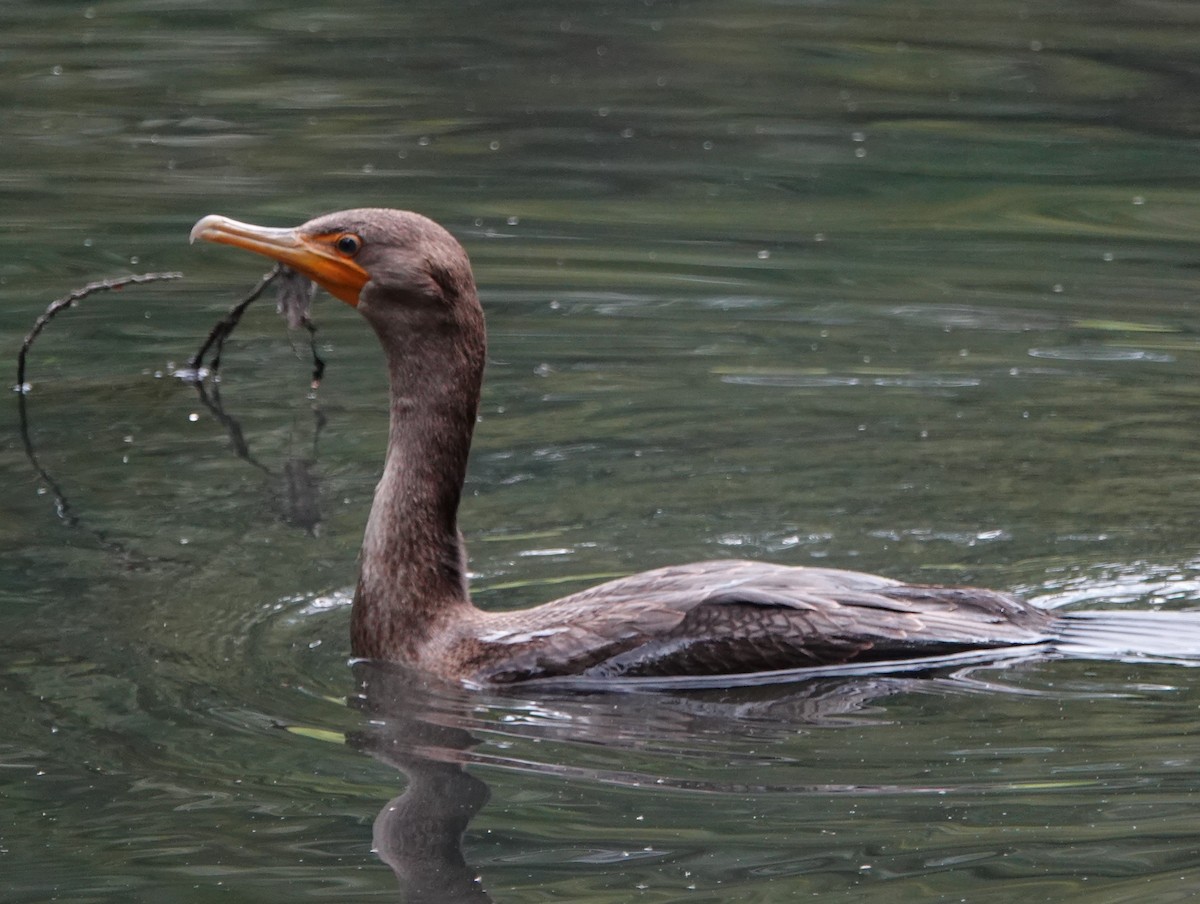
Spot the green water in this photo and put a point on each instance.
(902, 287)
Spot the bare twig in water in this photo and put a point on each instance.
(62, 505)
(318, 361)
(300, 494)
(226, 325)
(293, 302)
(69, 301)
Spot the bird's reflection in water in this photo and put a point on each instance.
(432, 732)
(421, 731)
(419, 834)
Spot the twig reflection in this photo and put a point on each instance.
(298, 493)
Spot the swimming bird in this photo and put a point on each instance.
(708, 622)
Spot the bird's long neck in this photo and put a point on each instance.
(413, 573)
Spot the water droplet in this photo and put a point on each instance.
(134, 259)
(193, 417)
(1108, 255)
(87, 243)
(1035, 46)
(514, 221)
(1138, 201)
(368, 168)
(764, 255)
(1058, 288)
(860, 152)
(493, 145)
(423, 141)
(57, 70)
(708, 145)
(858, 136)
(627, 133)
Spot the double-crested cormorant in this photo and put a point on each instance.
(413, 283)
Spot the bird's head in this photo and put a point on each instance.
(375, 259)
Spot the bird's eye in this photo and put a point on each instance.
(348, 244)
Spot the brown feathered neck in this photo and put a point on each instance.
(422, 303)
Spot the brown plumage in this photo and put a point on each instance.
(413, 283)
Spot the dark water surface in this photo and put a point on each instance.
(903, 287)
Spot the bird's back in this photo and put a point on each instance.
(733, 617)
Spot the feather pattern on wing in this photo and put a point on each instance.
(735, 616)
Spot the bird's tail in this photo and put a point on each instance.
(1156, 636)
